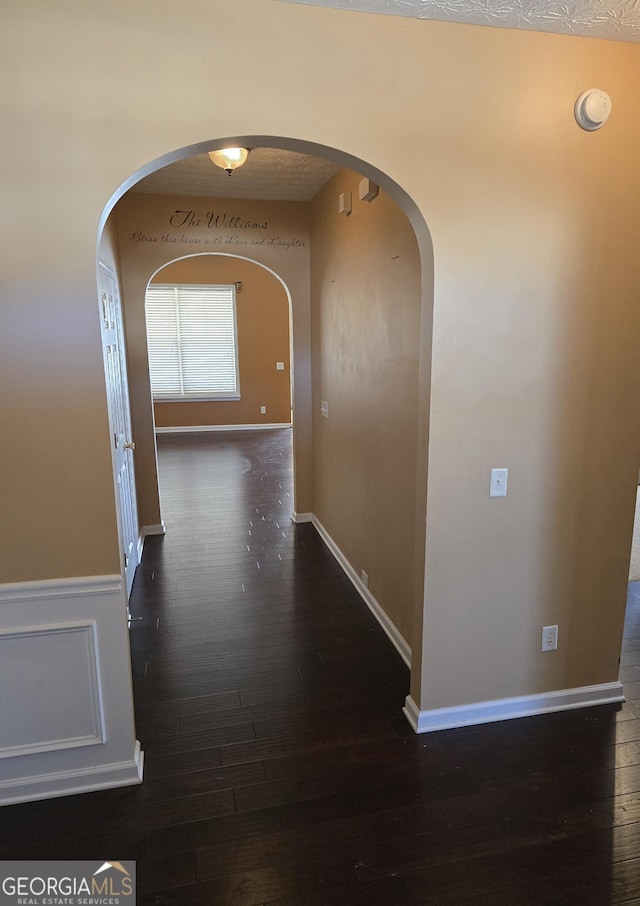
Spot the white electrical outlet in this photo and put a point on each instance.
(324, 408)
(365, 578)
(549, 638)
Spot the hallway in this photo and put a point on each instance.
(278, 766)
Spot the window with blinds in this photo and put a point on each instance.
(192, 341)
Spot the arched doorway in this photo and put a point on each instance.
(263, 348)
(303, 396)
(263, 313)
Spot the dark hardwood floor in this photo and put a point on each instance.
(279, 769)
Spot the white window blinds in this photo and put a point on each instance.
(192, 341)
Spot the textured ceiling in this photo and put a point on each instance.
(269, 174)
(616, 19)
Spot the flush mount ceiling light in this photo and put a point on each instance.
(229, 159)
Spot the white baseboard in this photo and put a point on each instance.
(299, 518)
(66, 702)
(399, 642)
(197, 429)
(511, 708)
(69, 783)
(158, 529)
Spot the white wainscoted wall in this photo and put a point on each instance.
(65, 689)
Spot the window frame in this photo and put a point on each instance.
(194, 396)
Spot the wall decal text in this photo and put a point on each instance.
(213, 221)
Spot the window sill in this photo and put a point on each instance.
(196, 399)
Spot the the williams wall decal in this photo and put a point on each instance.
(212, 229)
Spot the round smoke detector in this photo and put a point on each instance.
(592, 109)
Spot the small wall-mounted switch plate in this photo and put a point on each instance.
(263, 410)
(279, 366)
(549, 638)
(367, 190)
(498, 483)
(344, 203)
(324, 408)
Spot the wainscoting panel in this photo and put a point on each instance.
(66, 705)
(50, 694)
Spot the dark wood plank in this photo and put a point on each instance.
(279, 769)
(163, 874)
(260, 886)
(280, 848)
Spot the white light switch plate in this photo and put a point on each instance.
(498, 484)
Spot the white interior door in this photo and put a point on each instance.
(119, 420)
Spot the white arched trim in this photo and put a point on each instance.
(273, 274)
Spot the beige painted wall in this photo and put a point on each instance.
(365, 334)
(536, 322)
(262, 317)
(149, 240)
